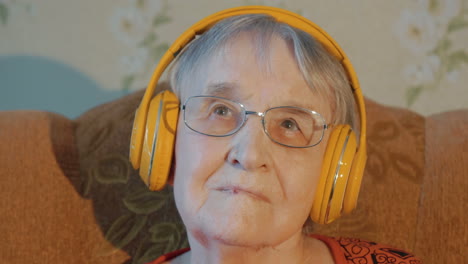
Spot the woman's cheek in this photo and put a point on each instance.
(197, 156)
(300, 175)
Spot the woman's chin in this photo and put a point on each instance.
(234, 228)
(237, 220)
(237, 236)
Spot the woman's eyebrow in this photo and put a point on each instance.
(222, 89)
(307, 105)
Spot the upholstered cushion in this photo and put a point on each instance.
(69, 193)
(43, 219)
(442, 230)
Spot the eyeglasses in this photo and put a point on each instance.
(289, 126)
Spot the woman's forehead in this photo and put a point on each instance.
(238, 71)
(258, 45)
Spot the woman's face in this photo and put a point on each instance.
(244, 189)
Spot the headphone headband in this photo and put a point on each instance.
(281, 15)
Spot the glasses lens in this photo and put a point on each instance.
(213, 116)
(294, 126)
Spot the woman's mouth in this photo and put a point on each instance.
(234, 190)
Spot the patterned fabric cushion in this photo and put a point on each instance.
(145, 224)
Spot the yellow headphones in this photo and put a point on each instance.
(155, 124)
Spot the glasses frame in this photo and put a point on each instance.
(259, 114)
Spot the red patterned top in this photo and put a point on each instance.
(344, 251)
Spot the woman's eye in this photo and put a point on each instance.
(221, 110)
(290, 124)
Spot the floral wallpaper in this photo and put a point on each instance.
(7, 6)
(136, 24)
(411, 54)
(3, 12)
(427, 31)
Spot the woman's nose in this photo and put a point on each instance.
(250, 147)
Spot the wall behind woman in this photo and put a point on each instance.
(67, 56)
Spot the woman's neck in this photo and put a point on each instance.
(298, 249)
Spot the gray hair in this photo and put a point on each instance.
(322, 71)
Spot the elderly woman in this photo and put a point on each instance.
(262, 101)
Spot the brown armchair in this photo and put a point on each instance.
(69, 195)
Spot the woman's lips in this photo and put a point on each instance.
(239, 190)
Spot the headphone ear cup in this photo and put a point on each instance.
(337, 163)
(320, 192)
(159, 140)
(136, 140)
(354, 181)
